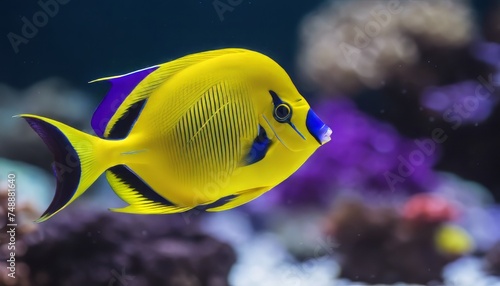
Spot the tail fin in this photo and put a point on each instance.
(75, 165)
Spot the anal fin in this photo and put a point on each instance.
(134, 209)
(142, 199)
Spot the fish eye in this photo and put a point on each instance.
(282, 112)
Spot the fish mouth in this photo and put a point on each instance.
(318, 129)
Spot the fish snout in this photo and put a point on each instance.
(318, 129)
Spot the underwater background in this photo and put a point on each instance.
(406, 193)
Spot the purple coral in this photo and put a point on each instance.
(468, 99)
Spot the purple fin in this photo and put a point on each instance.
(66, 167)
(121, 87)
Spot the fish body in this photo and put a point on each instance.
(211, 130)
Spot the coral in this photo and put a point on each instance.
(429, 208)
(492, 260)
(446, 101)
(350, 44)
(78, 247)
(83, 246)
(380, 245)
(24, 214)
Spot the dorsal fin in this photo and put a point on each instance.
(121, 87)
(133, 87)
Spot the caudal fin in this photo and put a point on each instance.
(75, 165)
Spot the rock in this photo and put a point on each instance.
(79, 247)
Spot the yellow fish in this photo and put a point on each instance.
(210, 131)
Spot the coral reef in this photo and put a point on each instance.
(83, 247)
(492, 260)
(350, 44)
(382, 245)
(79, 247)
(24, 214)
(443, 102)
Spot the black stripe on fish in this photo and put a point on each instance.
(137, 185)
(276, 99)
(123, 126)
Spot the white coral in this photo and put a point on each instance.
(349, 44)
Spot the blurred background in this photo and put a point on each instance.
(406, 193)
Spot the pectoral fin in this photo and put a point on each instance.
(259, 148)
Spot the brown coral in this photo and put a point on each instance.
(379, 245)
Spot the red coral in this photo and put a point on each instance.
(429, 208)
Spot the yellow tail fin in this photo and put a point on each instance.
(75, 166)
